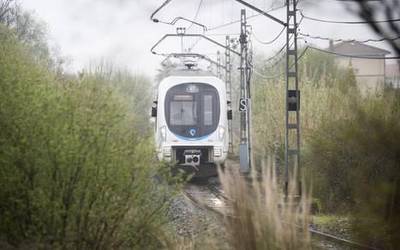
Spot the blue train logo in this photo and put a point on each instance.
(192, 131)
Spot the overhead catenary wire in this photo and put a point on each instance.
(271, 41)
(277, 53)
(195, 19)
(358, 0)
(263, 76)
(249, 17)
(354, 56)
(196, 15)
(223, 34)
(348, 40)
(275, 63)
(275, 38)
(347, 22)
(157, 10)
(175, 20)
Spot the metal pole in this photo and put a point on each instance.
(219, 74)
(248, 101)
(228, 80)
(244, 147)
(292, 99)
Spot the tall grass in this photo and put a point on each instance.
(261, 216)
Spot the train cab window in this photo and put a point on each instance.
(183, 111)
(192, 109)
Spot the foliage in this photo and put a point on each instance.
(135, 90)
(31, 32)
(74, 171)
(350, 148)
(355, 163)
(325, 88)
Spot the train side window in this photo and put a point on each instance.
(208, 110)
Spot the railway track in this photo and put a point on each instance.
(210, 196)
(340, 240)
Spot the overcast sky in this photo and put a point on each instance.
(87, 31)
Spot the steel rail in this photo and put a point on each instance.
(214, 191)
(202, 205)
(341, 240)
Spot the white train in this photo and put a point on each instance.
(192, 114)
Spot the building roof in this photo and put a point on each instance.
(358, 49)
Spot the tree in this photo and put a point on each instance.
(7, 10)
(29, 30)
(371, 11)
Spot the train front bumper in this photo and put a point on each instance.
(209, 153)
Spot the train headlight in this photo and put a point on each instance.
(163, 133)
(221, 133)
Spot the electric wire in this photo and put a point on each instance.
(347, 22)
(276, 54)
(196, 15)
(275, 38)
(353, 56)
(195, 19)
(157, 10)
(223, 34)
(348, 40)
(263, 76)
(176, 19)
(279, 52)
(357, 0)
(277, 61)
(249, 17)
(271, 41)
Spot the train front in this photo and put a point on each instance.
(192, 121)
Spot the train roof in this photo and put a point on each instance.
(175, 76)
(190, 72)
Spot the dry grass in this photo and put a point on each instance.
(261, 217)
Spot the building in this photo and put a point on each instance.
(393, 75)
(370, 73)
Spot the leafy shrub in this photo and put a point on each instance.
(355, 164)
(350, 147)
(326, 90)
(74, 171)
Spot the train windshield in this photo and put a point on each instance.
(183, 111)
(192, 109)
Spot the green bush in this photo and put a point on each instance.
(74, 170)
(325, 89)
(350, 144)
(354, 163)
